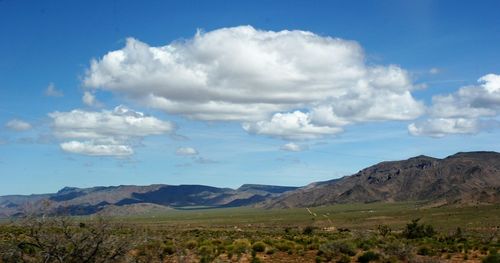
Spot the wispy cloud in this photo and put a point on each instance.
(434, 71)
(194, 155)
(89, 99)
(18, 125)
(186, 151)
(52, 91)
(293, 147)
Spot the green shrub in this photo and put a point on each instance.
(333, 249)
(384, 230)
(241, 246)
(168, 249)
(415, 230)
(207, 253)
(344, 259)
(255, 260)
(368, 256)
(491, 258)
(366, 243)
(285, 246)
(191, 244)
(308, 230)
(206, 250)
(399, 250)
(424, 251)
(271, 251)
(259, 246)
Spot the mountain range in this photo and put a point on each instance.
(464, 178)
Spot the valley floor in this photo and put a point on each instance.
(342, 233)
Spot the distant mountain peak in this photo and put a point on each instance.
(422, 157)
(67, 189)
(465, 178)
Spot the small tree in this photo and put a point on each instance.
(60, 239)
(384, 230)
(415, 230)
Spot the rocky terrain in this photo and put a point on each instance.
(463, 178)
(131, 199)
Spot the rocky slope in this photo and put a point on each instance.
(465, 178)
(132, 199)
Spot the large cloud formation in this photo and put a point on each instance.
(466, 111)
(288, 84)
(105, 133)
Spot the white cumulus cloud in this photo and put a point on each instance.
(442, 126)
(92, 149)
(293, 147)
(249, 75)
(186, 151)
(465, 111)
(109, 133)
(18, 125)
(293, 126)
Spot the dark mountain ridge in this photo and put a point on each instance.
(463, 178)
(85, 201)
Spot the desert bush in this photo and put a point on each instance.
(424, 251)
(259, 246)
(60, 239)
(368, 256)
(270, 251)
(152, 251)
(415, 230)
(168, 249)
(308, 230)
(346, 248)
(285, 246)
(399, 250)
(492, 258)
(344, 259)
(333, 249)
(191, 244)
(229, 249)
(241, 246)
(384, 230)
(255, 259)
(366, 243)
(207, 253)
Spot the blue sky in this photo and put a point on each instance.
(359, 78)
